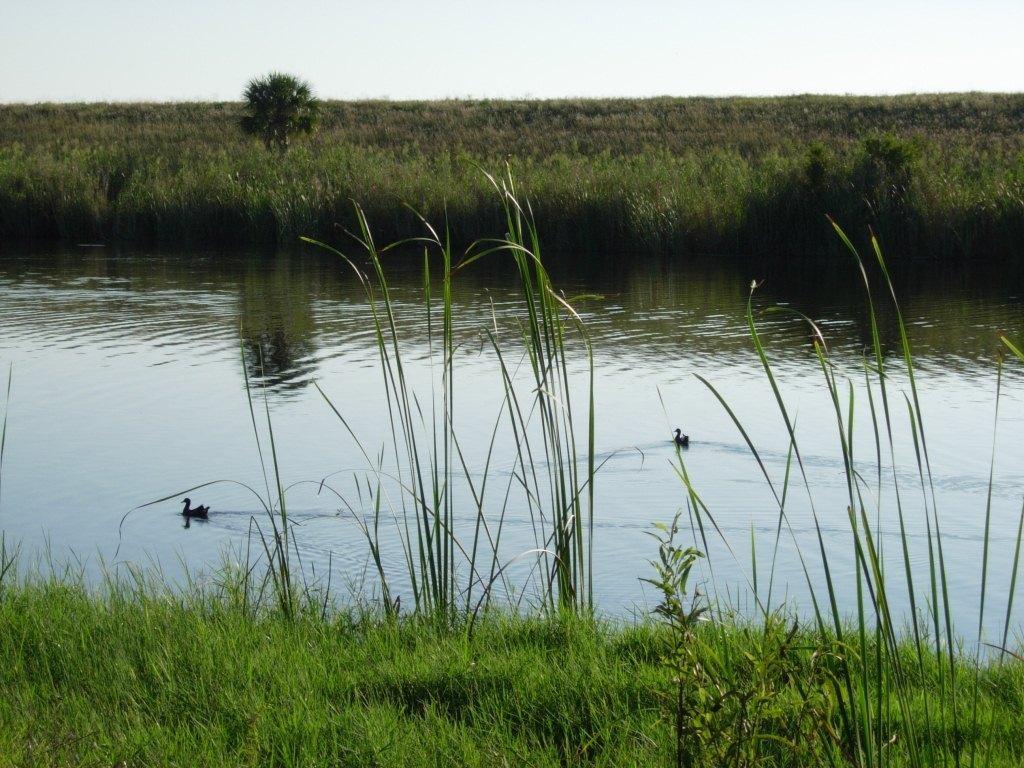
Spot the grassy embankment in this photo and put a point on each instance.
(145, 680)
(934, 175)
(257, 670)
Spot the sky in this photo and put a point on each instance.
(141, 50)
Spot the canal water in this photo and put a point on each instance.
(129, 385)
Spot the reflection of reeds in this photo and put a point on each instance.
(672, 176)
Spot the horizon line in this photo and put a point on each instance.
(525, 98)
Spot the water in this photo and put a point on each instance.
(128, 386)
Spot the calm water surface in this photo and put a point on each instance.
(128, 386)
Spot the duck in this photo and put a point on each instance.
(202, 512)
(681, 439)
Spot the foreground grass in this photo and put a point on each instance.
(138, 677)
(941, 175)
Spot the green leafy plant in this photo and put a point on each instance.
(884, 170)
(278, 107)
(772, 703)
(818, 166)
(681, 613)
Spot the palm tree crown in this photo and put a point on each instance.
(277, 107)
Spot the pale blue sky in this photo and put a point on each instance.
(89, 50)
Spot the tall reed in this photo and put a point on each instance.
(8, 555)
(451, 570)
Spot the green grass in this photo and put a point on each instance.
(935, 175)
(132, 674)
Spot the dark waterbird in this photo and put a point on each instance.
(681, 439)
(202, 512)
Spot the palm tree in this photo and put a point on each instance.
(277, 107)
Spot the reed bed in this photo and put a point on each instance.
(938, 175)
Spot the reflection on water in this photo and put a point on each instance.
(128, 385)
(284, 305)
